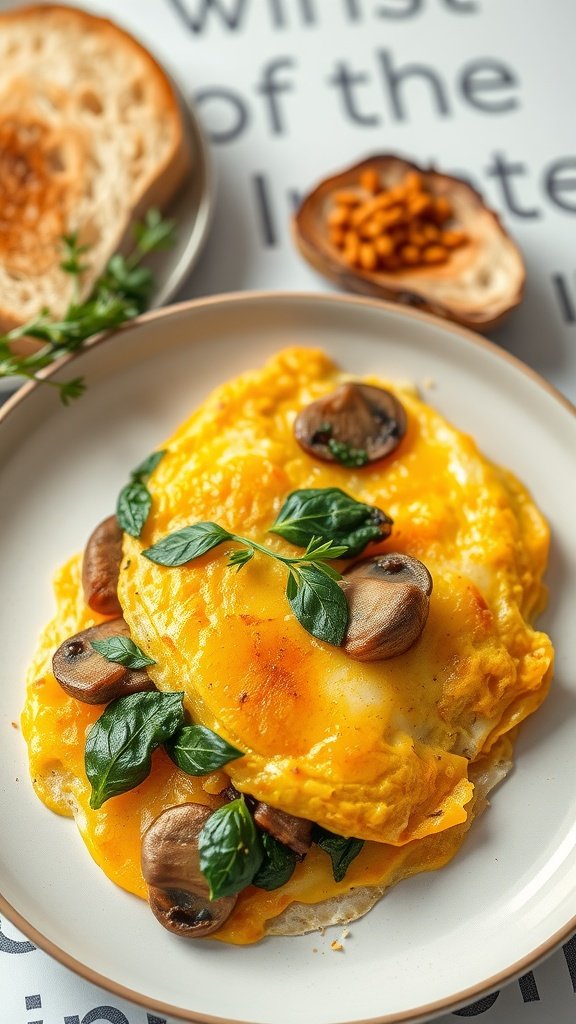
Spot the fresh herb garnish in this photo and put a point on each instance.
(352, 458)
(277, 866)
(118, 295)
(318, 603)
(190, 542)
(123, 651)
(135, 501)
(330, 513)
(342, 851)
(198, 751)
(230, 849)
(120, 744)
(312, 590)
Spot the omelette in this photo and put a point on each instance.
(388, 758)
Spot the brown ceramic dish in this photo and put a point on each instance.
(480, 283)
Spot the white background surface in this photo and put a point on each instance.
(533, 42)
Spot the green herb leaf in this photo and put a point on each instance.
(277, 866)
(318, 603)
(230, 849)
(347, 456)
(191, 542)
(240, 557)
(123, 651)
(199, 751)
(120, 744)
(119, 294)
(135, 501)
(147, 467)
(342, 851)
(331, 514)
(134, 283)
(155, 233)
(71, 262)
(133, 508)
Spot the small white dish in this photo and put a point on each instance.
(436, 941)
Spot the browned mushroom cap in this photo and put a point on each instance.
(368, 421)
(286, 828)
(396, 567)
(179, 894)
(101, 566)
(388, 603)
(479, 285)
(87, 675)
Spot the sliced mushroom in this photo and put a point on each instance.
(478, 286)
(365, 422)
(286, 828)
(101, 567)
(395, 567)
(87, 675)
(179, 894)
(388, 603)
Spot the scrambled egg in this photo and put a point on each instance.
(381, 750)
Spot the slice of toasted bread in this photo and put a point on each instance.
(90, 136)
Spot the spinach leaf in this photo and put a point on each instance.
(230, 849)
(135, 501)
(331, 514)
(199, 751)
(278, 864)
(147, 467)
(183, 545)
(119, 746)
(133, 508)
(123, 651)
(318, 603)
(342, 851)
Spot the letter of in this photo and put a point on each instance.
(504, 170)
(269, 88)
(237, 106)
(393, 78)
(556, 183)
(346, 80)
(489, 76)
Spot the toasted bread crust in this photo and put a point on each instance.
(91, 135)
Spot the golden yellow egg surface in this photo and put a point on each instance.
(382, 750)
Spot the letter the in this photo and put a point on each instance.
(481, 80)
(345, 80)
(395, 77)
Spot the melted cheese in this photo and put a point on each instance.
(380, 751)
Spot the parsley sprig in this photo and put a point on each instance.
(119, 294)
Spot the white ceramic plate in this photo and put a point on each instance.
(435, 941)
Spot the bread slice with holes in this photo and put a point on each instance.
(91, 135)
